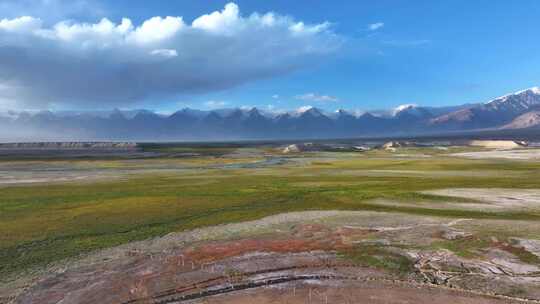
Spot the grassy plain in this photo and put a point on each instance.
(45, 223)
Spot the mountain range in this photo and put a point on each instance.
(514, 111)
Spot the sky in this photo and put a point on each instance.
(274, 55)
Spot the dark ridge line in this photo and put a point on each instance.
(244, 286)
(170, 292)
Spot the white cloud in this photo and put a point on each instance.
(120, 63)
(156, 29)
(375, 26)
(103, 34)
(21, 24)
(275, 96)
(317, 97)
(51, 10)
(215, 104)
(165, 53)
(226, 21)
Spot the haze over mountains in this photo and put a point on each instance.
(513, 111)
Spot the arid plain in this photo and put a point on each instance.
(272, 223)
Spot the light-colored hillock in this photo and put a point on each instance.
(497, 144)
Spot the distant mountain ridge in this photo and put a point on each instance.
(513, 111)
(494, 113)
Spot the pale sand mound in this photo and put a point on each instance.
(497, 144)
(495, 197)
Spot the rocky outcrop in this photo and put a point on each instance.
(392, 145)
(292, 149)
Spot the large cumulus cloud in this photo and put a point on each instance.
(117, 63)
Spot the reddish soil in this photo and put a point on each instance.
(206, 273)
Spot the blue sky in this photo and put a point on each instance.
(370, 55)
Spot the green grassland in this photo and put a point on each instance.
(45, 223)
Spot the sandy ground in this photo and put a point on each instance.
(419, 173)
(435, 205)
(22, 178)
(34, 172)
(525, 154)
(495, 198)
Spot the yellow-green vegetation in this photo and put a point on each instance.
(473, 245)
(466, 247)
(379, 257)
(44, 223)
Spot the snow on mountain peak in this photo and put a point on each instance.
(403, 107)
(533, 90)
(303, 109)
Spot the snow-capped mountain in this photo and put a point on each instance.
(496, 112)
(513, 111)
(412, 111)
(404, 108)
(518, 102)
